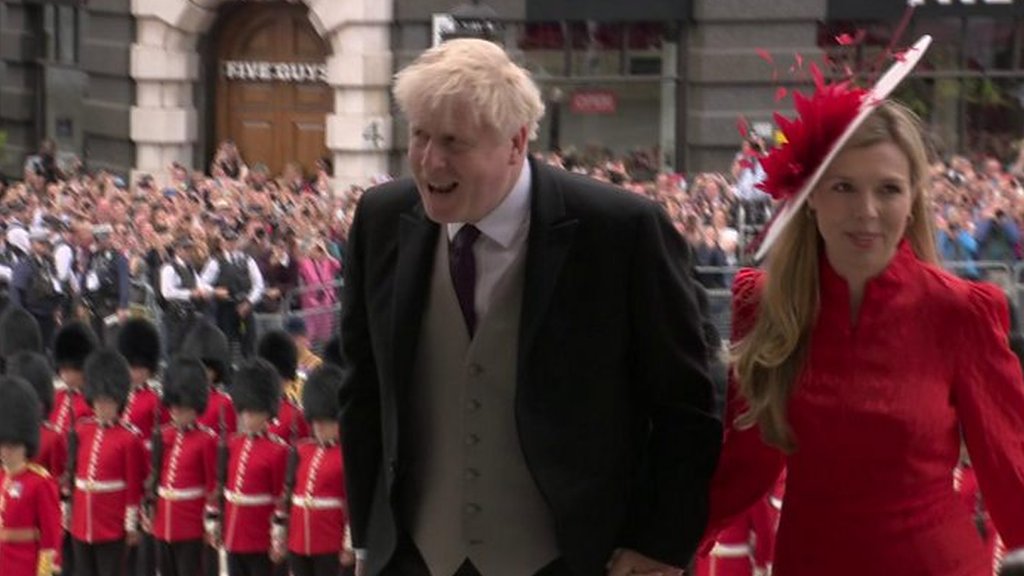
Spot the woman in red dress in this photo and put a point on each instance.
(859, 364)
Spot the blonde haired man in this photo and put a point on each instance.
(526, 384)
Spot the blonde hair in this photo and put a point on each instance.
(470, 75)
(769, 359)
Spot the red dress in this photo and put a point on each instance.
(877, 415)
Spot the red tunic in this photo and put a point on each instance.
(108, 481)
(877, 415)
(68, 406)
(53, 451)
(219, 403)
(317, 521)
(28, 502)
(188, 475)
(282, 425)
(144, 411)
(255, 485)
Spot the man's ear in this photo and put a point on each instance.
(519, 143)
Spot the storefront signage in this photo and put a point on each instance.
(254, 71)
(593, 102)
(892, 9)
(610, 10)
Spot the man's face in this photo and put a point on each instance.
(462, 170)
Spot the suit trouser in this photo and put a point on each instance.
(211, 560)
(407, 561)
(179, 558)
(99, 559)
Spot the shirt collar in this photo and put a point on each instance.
(504, 222)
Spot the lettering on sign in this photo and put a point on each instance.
(593, 102)
(251, 71)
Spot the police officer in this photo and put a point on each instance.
(64, 260)
(238, 286)
(15, 248)
(182, 291)
(34, 284)
(105, 285)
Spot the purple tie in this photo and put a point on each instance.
(462, 265)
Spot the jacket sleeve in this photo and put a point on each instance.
(669, 369)
(748, 468)
(359, 397)
(989, 399)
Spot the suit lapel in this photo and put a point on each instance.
(417, 239)
(551, 237)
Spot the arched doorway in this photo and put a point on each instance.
(272, 97)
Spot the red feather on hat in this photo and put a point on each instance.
(820, 121)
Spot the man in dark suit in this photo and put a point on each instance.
(527, 388)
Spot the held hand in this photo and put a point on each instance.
(122, 315)
(146, 523)
(132, 538)
(360, 568)
(630, 563)
(221, 293)
(276, 554)
(244, 308)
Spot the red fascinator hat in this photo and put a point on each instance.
(825, 121)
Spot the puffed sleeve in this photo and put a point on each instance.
(747, 468)
(989, 399)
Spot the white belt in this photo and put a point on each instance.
(315, 503)
(239, 499)
(100, 485)
(181, 493)
(730, 550)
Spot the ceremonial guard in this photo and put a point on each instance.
(183, 476)
(35, 287)
(278, 348)
(109, 470)
(73, 344)
(53, 446)
(238, 286)
(182, 291)
(29, 505)
(206, 342)
(106, 285)
(139, 342)
(257, 460)
(18, 332)
(318, 538)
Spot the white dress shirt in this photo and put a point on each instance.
(502, 238)
(212, 270)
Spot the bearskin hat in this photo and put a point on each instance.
(20, 414)
(332, 351)
(139, 342)
(73, 344)
(185, 384)
(320, 393)
(257, 387)
(206, 342)
(34, 368)
(278, 348)
(107, 374)
(19, 331)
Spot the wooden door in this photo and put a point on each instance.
(273, 118)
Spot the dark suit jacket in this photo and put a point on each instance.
(614, 404)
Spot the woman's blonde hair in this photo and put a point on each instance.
(470, 76)
(770, 358)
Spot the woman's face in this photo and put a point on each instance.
(862, 206)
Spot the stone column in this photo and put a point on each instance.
(359, 133)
